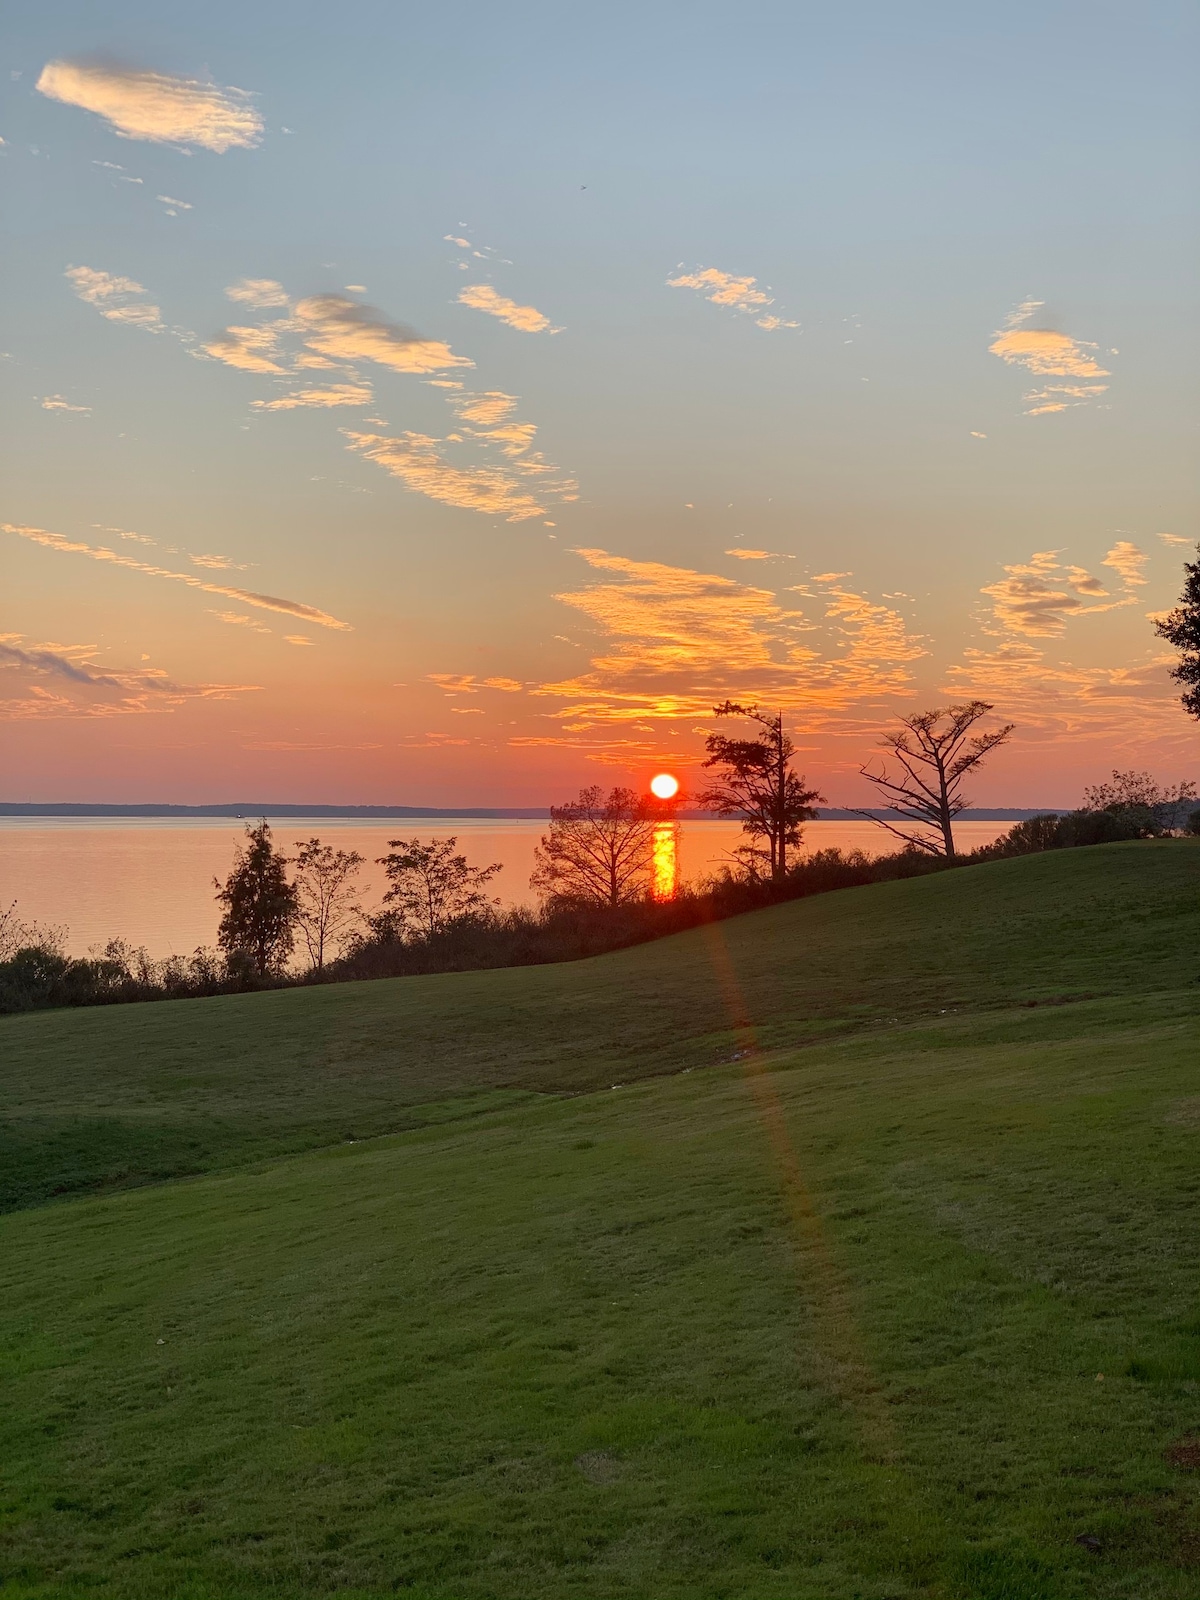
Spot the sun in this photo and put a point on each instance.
(664, 786)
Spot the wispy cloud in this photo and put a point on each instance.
(1036, 598)
(173, 205)
(259, 292)
(215, 563)
(1128, 562)
(467, 683)
(264, 602)
(341, 394)
(117, 298)
(1049, 354)
(526, 319)
(420, 463)
(761, 555)
(681, 639)
(239, 619)
(1174, 538)
(154, 106)
(348, 331)
(90, 690)
(55, 402)
(250, 349)
(738, 293)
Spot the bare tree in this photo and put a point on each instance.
(17, 934)
(326, 896)
(935, 751)
(431, 886)
(757, 784)
(599, 849)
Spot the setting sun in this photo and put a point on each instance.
(664, 786)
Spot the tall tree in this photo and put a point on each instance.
(756, 783)
(935, 751)
(326, 896)
(258, 927)
(1181, 628)
(431, 886)
(600, 848)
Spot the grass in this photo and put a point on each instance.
(828, 1320)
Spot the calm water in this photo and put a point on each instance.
(149, 880)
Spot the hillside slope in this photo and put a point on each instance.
(131, 1094)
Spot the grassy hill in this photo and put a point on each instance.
(876, 1277)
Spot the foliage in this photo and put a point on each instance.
(430, 888)
(599, 850)
(757, 784)
(935, 751)
(1181, 628)
(1141, 792)
(258, 930)
(327, 908)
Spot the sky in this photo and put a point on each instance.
(451, 405)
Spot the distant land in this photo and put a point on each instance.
(247, 809)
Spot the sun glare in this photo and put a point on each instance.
(664, 786)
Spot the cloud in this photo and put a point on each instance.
(259, 292)
(727, 289)
(115, 297)
(683, 639)
(348, 331)
(173, 205)
(1127, 561)
(421, 465)
(1048, 354)
(216, 563)
(1173, 538)
(526, 319)
(297, 638)
(264, 602)
(249, 349)
(467, 683)
(55, 402)
(93, 691)
(342, 394)
(238, 619)
(1029, 600)
(763, 555)
(154, 106)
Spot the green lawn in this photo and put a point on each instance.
(828, 1319)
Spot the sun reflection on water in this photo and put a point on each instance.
(666, 860)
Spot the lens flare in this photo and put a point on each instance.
(664, 786)
(666, 860)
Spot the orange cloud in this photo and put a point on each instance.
(155, 107)
(348, 331)
(250, 349)
(258, 292)
(115, 297)
(342, 394)
(526, 319)
(1048, 354)
(91, 691)
(740, 293)
(1027, 601)
(264, 602)
(1127, 561)
(683, 639)
(420, 463)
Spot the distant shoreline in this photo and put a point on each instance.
(249, 810)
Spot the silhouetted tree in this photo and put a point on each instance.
(431, 886)
(326, 896)
(1133, 791)
(258, 927)
(1181, 628)
(600, 849)
(757, 784)
(935, 750)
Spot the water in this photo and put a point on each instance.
(149, 880)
